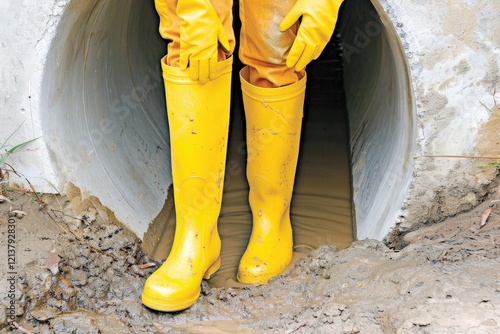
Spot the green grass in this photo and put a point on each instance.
(7, 150)
(495, 164)
(485, 107)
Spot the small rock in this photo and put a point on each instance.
(52, 263)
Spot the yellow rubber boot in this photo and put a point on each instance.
(273, 121)
(198, 117)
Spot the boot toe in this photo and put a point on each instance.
(264, 260)
(253, 271)
(169, 295)
(257, 270)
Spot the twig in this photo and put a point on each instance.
(494, 98)
(22, 329)
(64, 214)
(295, 328)
(42, 205)
(20, 151)
(484, 105)
(457, 156)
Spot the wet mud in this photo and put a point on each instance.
(446, 280)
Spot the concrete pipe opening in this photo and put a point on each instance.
(105, 124)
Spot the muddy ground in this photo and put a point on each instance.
(445, 280)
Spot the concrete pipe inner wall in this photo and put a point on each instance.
(104, 110)
(104, 120)
(381, 110)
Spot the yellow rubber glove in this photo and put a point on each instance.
(316, 27)
(201, 32)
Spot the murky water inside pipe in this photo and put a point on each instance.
(321, 204)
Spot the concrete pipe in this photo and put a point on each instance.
(105, 125)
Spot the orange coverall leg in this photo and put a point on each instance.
(263, 48)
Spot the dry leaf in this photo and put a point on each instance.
(484, 217)
(146, 265)
(3, 198)
(41, 315)
(52, 263)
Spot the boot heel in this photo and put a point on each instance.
(212, 270)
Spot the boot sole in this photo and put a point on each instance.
(172, 306)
